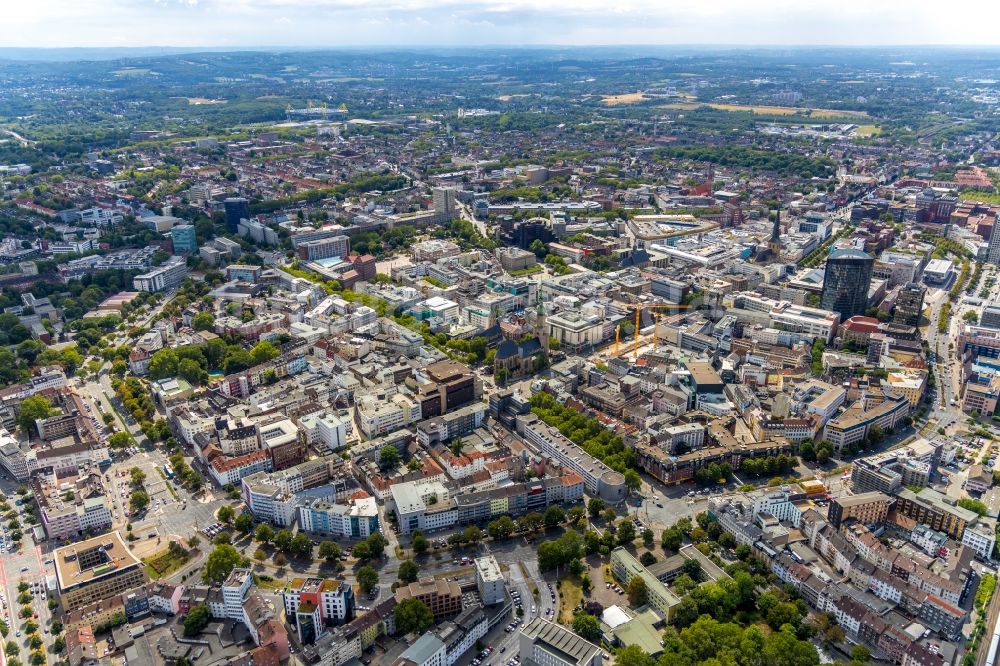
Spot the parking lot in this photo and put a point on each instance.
(156, 486)
(213, 529)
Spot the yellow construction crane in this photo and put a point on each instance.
(639, 307)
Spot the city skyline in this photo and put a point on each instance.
(402, 23)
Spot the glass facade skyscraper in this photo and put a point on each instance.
(846, 282)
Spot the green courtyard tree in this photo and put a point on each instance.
(388, 457)
(633, 482)
(501, 528)
(32, 408)
(412, 616)
(329, 551)
(408, 571)
(138, 501)
(264, 533)
(283, 539)
(120, 440)
(554, 516)
(587, 627)
(638, 593)
(220, 563)
(203, 321)
(196, 620)
(420, 543)
(243, 524)
(137, 476)
(632, 655)
(367, 578)
(301, 546)
(226, 514)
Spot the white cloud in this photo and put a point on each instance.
(453, 22)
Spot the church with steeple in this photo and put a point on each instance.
(525, 356)
(774, 246)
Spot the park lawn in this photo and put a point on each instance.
(530, 270)
(570, 596)
(628, 98)
(164, 563)
(274, 584)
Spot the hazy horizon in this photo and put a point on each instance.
(387, 24)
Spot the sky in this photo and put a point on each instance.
(359, 23)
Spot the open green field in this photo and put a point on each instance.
(868, 130)
(570, 596)
(630, 98)
(820, 114)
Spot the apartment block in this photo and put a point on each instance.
(599, 479)
(866, 508)
(934, 509)
(314, 604)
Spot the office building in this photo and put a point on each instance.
(939, 272)
(990, 317)
(489, 580)
(547, 644)
(993, 250)
(870, 476)
(160, 223)
(243, 272)
(237, 208)
(183, 239)
(325, 248)
(442, 597)
(96, 569)
(846, 281)
(909, 304)
(625, 567)
(853, 425)
(162, 278)
(981, 536)
(461, 634)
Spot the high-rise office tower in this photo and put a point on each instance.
(993, 250)
(237, 208)
(846, 282)
(909, 304)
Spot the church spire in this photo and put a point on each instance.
(776, 229)
(541, 329)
